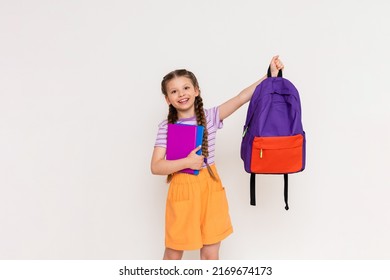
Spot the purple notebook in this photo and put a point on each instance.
(181, 140)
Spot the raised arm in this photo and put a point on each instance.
(230, 106)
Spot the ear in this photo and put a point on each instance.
(167, 100)
(197, 91)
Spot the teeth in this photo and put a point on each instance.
(183, 100)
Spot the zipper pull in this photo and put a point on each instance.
(243, 134)
(261, 153)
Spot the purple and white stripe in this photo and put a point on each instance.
(213, 123)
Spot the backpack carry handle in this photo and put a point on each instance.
(269, 72)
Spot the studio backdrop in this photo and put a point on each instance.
(80, 104)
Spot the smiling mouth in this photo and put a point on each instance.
(183, 100)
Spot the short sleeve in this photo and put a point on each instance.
(213, 118)
(161, 139)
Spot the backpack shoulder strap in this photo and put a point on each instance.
(253, 190)
(286, 191)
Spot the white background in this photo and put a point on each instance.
(80, 102)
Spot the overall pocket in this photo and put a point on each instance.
(279, 154)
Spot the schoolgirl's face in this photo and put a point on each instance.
(181, 94)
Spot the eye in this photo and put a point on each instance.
(187, 88)
(173, 91)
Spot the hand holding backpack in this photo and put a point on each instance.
(273, 140)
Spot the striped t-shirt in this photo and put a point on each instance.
(213, 123)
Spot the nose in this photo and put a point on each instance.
(181, 93)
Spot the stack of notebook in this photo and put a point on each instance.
(181, 140)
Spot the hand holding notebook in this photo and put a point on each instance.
(182, 139)
(195, 159)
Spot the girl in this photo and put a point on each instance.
(197, 215)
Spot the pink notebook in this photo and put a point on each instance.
(181, 140)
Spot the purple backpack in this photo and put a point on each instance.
(273, 140)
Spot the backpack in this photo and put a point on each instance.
(273, 139)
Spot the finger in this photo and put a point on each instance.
(196, 149)
(279, 65)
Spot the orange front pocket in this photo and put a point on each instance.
(280, 154)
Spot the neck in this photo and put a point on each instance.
(186, 114)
